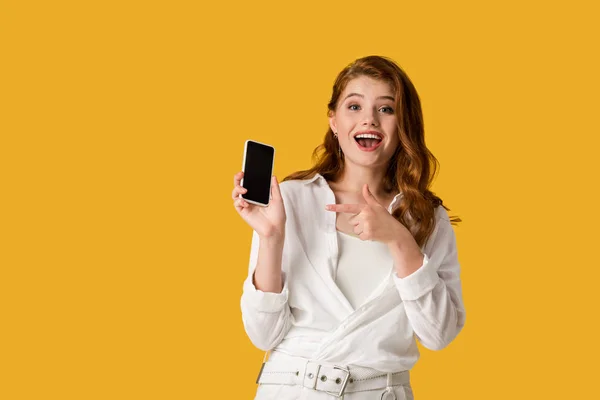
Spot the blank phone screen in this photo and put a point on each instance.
(258, 170)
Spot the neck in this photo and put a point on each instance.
(354, 177)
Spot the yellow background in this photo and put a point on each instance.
(122, 124)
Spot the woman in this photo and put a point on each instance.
(354, 259)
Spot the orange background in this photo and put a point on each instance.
(122, 124)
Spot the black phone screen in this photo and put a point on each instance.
(258, 169)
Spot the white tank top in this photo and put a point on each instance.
(362, 267)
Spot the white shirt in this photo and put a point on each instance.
(362, 266)
(312, 318)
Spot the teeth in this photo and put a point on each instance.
(366, 136)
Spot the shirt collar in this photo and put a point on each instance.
(314, 178)
(319, 178)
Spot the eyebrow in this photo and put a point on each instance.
(360, 95)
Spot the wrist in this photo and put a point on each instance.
(273, 240)
(407, 255)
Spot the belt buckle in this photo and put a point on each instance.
(344, 383)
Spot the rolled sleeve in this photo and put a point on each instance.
(432, 294)
(419, 283)
(266, 315)
(265, 301)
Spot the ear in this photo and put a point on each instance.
(332, 123)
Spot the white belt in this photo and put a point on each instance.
(333, 379)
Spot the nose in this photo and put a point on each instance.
(370, 118)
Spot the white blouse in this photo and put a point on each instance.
(313, 318)
(362, 266)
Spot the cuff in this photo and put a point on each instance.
(265, 301)
(419, 283)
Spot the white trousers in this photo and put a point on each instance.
(285, 377)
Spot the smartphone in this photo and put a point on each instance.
(259, 159)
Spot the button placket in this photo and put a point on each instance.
(333, 254)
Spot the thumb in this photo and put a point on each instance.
(369, 196)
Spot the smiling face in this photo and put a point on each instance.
(366, 105)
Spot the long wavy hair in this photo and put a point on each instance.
(411, 169)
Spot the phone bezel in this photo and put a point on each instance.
(244, 170)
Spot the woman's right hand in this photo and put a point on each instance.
(268, 222)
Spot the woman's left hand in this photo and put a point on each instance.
(372, 221)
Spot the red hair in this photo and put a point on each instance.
(412, 168)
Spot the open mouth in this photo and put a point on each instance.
(368, 144)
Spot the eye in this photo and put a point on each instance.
(353, 105)
(390, 110)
